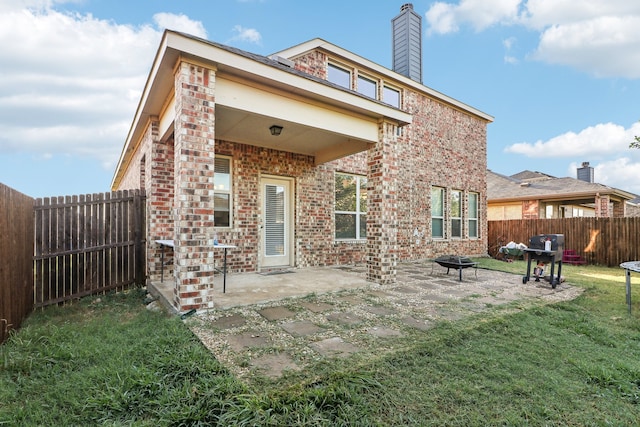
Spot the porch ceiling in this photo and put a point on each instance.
(253, 129)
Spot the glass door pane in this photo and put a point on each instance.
(274, 220)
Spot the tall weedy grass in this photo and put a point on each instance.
(109, 361)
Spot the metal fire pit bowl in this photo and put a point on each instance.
(457, 262)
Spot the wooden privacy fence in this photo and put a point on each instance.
(602, 241)
(16, 259)
(88, 244)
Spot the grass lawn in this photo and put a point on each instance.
(108, 361)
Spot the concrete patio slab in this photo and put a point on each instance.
(274, 365)
(345, 318)
(334, 347)
(276, 313)
(384, 332)
(420, 324)
(302, 328)
(249, 339)
(227, 322)
(379, 310)
(317, 307)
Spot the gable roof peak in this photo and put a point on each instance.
(527, 175)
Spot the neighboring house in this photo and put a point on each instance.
(311, 157)
(633, 207)
(532, 195)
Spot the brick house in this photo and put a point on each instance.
(311, 157)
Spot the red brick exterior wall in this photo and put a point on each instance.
(313, 200)
(602, 206)
(619, 209)
(152, 169)
(382, 213)
(194, 189)
(313, 63)
(443, 147)
(160, 199)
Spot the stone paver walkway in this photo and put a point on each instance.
(272, 338)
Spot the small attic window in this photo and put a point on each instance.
(367, 86)
(339, 76)
(391, 96)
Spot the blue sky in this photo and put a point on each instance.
(561, 78)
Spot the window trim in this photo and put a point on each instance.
(229, 192)
(452, 216)
(476, 217)
(441, 217)
(358, 212)
(385, 87)
(376, 84)
(340, 67)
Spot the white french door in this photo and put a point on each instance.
(276, 223)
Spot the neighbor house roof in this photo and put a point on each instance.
(527, 185)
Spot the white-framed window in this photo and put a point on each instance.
(350, 206)
(549, 211)
(391, 96)
(222, 191)
(437, 213)
(339, 75)
(367, 87)
(472, 220)
(456, 214)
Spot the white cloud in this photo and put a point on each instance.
(442, 19)
(616, 165)
(180, 23)
(445, 18)
(250, 35)
(508, 45)
(596, 141)
(71, 84)
(578, 35)
(541, 14)
(583, 45)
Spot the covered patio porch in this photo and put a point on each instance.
(257, 288)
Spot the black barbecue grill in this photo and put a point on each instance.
(545, 248)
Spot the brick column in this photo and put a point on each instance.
(619, 209)
(382, 207)
(602, 206)
(193, 207)
(159, 185)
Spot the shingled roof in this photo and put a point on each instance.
(528, 185)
